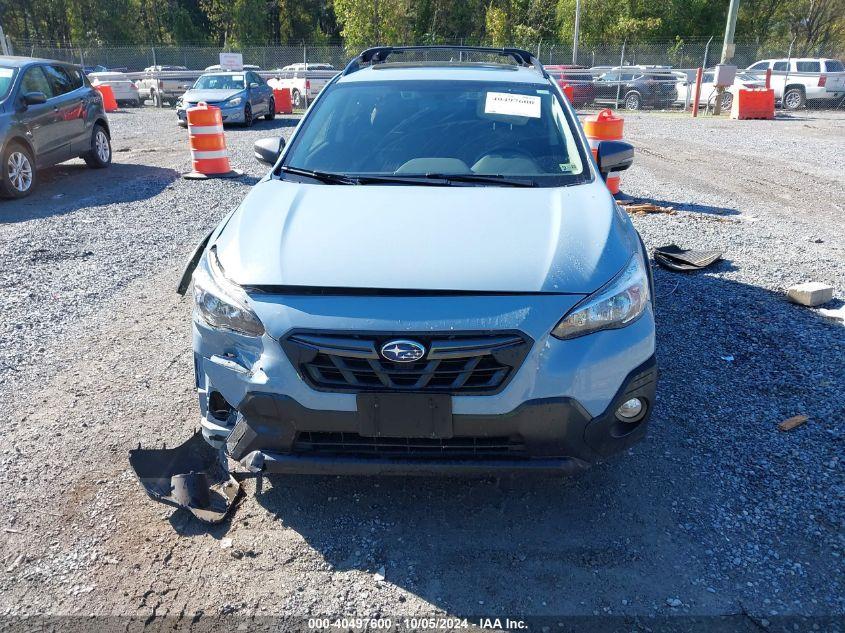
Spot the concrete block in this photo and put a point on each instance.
(811, 293)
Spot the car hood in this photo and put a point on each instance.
(196, 96)
(472, 239)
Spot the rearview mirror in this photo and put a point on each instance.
(34, 98)
(614, 156)
(268, 150)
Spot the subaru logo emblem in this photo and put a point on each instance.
(402, 351)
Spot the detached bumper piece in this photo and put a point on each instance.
(193, 476)
(675, 258)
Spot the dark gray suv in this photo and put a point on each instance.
(49, 113)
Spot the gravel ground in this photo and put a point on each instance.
(715, 513)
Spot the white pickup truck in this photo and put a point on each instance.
(799, 80)
(304, 80)
(163, 85)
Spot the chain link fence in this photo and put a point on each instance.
(679, 56)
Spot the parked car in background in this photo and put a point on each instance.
(163, 85)
(241, 96)
(797, 81)
(500, 321)
(636, 87)
(49, 113)
(305, 81)
(707, 96)
(579, 78)
(124, 89)
(218, 67)
(304, 66)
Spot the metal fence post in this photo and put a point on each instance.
(619, 80)
(3, 45)
(706, 51)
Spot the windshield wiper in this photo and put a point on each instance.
(494, 179)
(322, 176)
(410, 179)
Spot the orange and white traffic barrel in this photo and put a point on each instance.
(208, 143)
(605, 126)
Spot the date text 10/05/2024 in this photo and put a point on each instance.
(417, 623)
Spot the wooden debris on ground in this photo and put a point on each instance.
(644, 208)
(793, 422)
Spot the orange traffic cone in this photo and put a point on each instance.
(605, 126)
(208, 144)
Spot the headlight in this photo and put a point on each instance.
(614, 306)
(220, 302)
(234, 101)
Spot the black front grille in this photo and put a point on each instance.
(321, 443)
(453, 363)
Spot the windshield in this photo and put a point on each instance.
(414, 128)
(220, 82)
(7, 76)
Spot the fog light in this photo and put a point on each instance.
(630, 409)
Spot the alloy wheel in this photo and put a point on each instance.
(101, 146)
(19, 171)
(793, 100)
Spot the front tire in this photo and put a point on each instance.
(99, 156)
(633, 101)
(271, 113)
(793, 99)
(247, 115)
(17, 179)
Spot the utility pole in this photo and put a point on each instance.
(577, 27)
(727, 50)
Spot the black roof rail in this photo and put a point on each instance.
(379, 54)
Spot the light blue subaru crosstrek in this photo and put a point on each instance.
(432, 278)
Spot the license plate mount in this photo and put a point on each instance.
(405, 414)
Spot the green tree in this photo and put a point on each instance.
(496, 26)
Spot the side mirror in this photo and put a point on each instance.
(34, 98)
(268, 150)
(614, 156)
(254, 84)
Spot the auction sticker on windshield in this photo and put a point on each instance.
(512, 104)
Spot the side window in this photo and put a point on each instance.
(759, 66)
(75, 76)
(59, 79)
(834, 66)
(611, 77)
(34, 80)
(253, 77)
(781, 66)
(707, 78)
(808, 67)
(628, 76)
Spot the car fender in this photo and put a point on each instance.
(17, 137)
